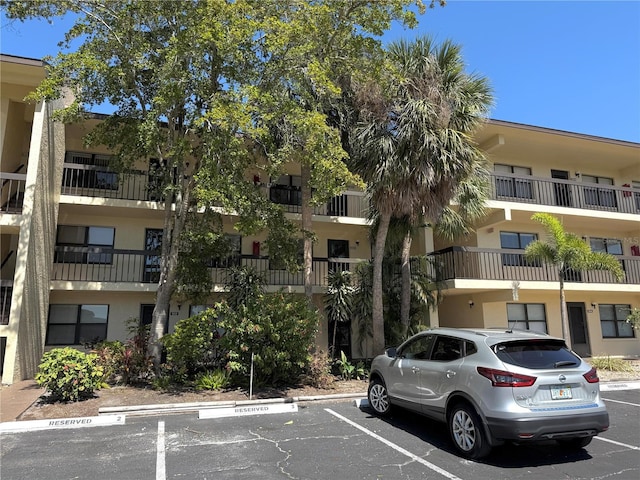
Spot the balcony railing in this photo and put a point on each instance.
(564, 193)
(6, 289)
(12, 196)
(505, 264)
(89, 264)
(93, 181)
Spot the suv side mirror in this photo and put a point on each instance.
(391, 352)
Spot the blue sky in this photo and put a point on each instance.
(566, 65)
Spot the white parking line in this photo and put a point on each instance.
(161, 472)
(620, 401)
(414, 457)
(632, 447)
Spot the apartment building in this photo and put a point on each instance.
(593, 186)
(78, 242)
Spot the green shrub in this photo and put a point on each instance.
(278, 329)
(214, 380)
(136, 363)
(319, 370)
(610, 363)
(347, 370)
(109, 357)
(194, 345)
(127, 362)
(69, 374)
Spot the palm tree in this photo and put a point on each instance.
(338, 302)
(413, 145)
(455, 220)
(567, 251)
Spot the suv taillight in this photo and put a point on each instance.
(591, 376)
(501, 378)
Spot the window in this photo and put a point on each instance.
(419, 348)
(599, 196)
(527, 316)
(197, 309)
(613, 321)
(88, 170)
(233, 258)
(447, 349)
(606, 245)
(279, 264)
(285, 190)
(77, 324)
(509, 185)
(338, 249)
(538, 354)
(88, 243)
(516, 241)
(611, 246)
(153, 245)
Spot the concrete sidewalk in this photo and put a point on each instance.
(16, 398)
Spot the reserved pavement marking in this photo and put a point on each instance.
(58, 423)
(244, 410)
(398, 448)
(632, 447)
(611, 386)
(161, 470)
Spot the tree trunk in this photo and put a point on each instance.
(158, 325)
(174, 222)
(405, 298)
(307, 229)
(333, 345)
(564, 316)
(378, 307)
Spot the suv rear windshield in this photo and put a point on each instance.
(536, 354)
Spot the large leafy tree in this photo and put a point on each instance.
(208, 88)
(413, 144)
(177, 74)
(566, 251)
(313, 50)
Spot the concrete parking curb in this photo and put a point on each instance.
(176, 408)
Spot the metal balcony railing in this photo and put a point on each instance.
(506, 264)
(564, 193)
(89, 264)
(94, 181)
(6, 290)
(12, 196)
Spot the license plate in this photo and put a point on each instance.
(560, 393)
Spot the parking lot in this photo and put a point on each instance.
(322, 440)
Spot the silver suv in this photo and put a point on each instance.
(492, 386)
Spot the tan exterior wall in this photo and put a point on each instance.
(30, 299)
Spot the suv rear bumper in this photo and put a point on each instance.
(523, 429)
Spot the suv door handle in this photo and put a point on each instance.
(451, 373)
(415, 369)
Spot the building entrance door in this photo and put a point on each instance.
(562, 191)
(578, 329)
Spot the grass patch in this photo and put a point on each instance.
(611, 363)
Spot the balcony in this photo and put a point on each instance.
(504, 264)
(98, 182)
(92, 264)
(6, 289)
(12, 196)
(564, 193)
